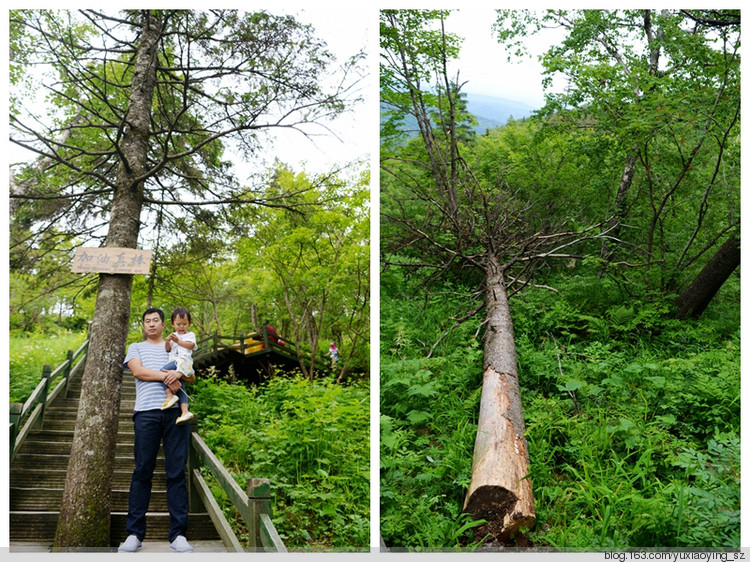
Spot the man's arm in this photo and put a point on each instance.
(170, 378)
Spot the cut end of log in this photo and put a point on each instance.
(501, 509)
(489, 502)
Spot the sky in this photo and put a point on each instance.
(483, 61)
(347, 29)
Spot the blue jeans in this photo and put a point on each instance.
(151, 428)
(181, 395)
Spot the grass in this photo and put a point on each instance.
(29, 353)
(310, 439)
(632, 419)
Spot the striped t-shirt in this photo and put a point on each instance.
(149, 395)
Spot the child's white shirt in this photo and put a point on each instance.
(177, 350)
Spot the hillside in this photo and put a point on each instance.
(491, 112)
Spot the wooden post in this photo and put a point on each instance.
(66, 372)
(46, 372)
(16, 408)
(259, 499)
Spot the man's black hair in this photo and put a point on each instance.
(151, 311)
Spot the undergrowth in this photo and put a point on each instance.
(632, 419)
(310, 439)
(29, 353)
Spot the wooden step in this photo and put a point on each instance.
(35, 460)
(55, 423)
(62, 447)
(124, 433)
(55, 478)
(32, 526)
(149, 548)
(50, 499)
(71, 405)
(38, 472)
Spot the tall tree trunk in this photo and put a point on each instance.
(500, 490)
(85, 512)
(694, 300)
(626, 180)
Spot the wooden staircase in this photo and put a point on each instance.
(37, 478)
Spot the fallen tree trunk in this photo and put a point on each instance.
(500, 490)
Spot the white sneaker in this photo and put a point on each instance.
(131, 544)
(185, 418)
(169, 402)
(180, 544)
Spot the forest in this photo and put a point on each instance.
(148, 129)
(564, 289)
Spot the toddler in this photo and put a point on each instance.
(180, 345)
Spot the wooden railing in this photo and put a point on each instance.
(254, 506)
(246, 343)
(30, 414)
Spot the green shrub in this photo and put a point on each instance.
(707, 500)
(630, 417)
(428, 423)
(310, 439)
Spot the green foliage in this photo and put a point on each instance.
(310, 439)
(620, 88)
(196, 201)
(43, 292)
(30, 352)
(308, 265)
(428, 416)
(541, 160)
(709, 507)
(619, 396)
(612, 413)
(426, 448)
(413, 47)
(632, 418)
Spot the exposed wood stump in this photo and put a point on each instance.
(500, 490)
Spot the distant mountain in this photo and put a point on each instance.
(492, 112)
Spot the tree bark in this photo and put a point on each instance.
(620, 209)
(500, 490)
(85, 511)
(694, 300)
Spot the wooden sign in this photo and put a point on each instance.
(126, 261)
